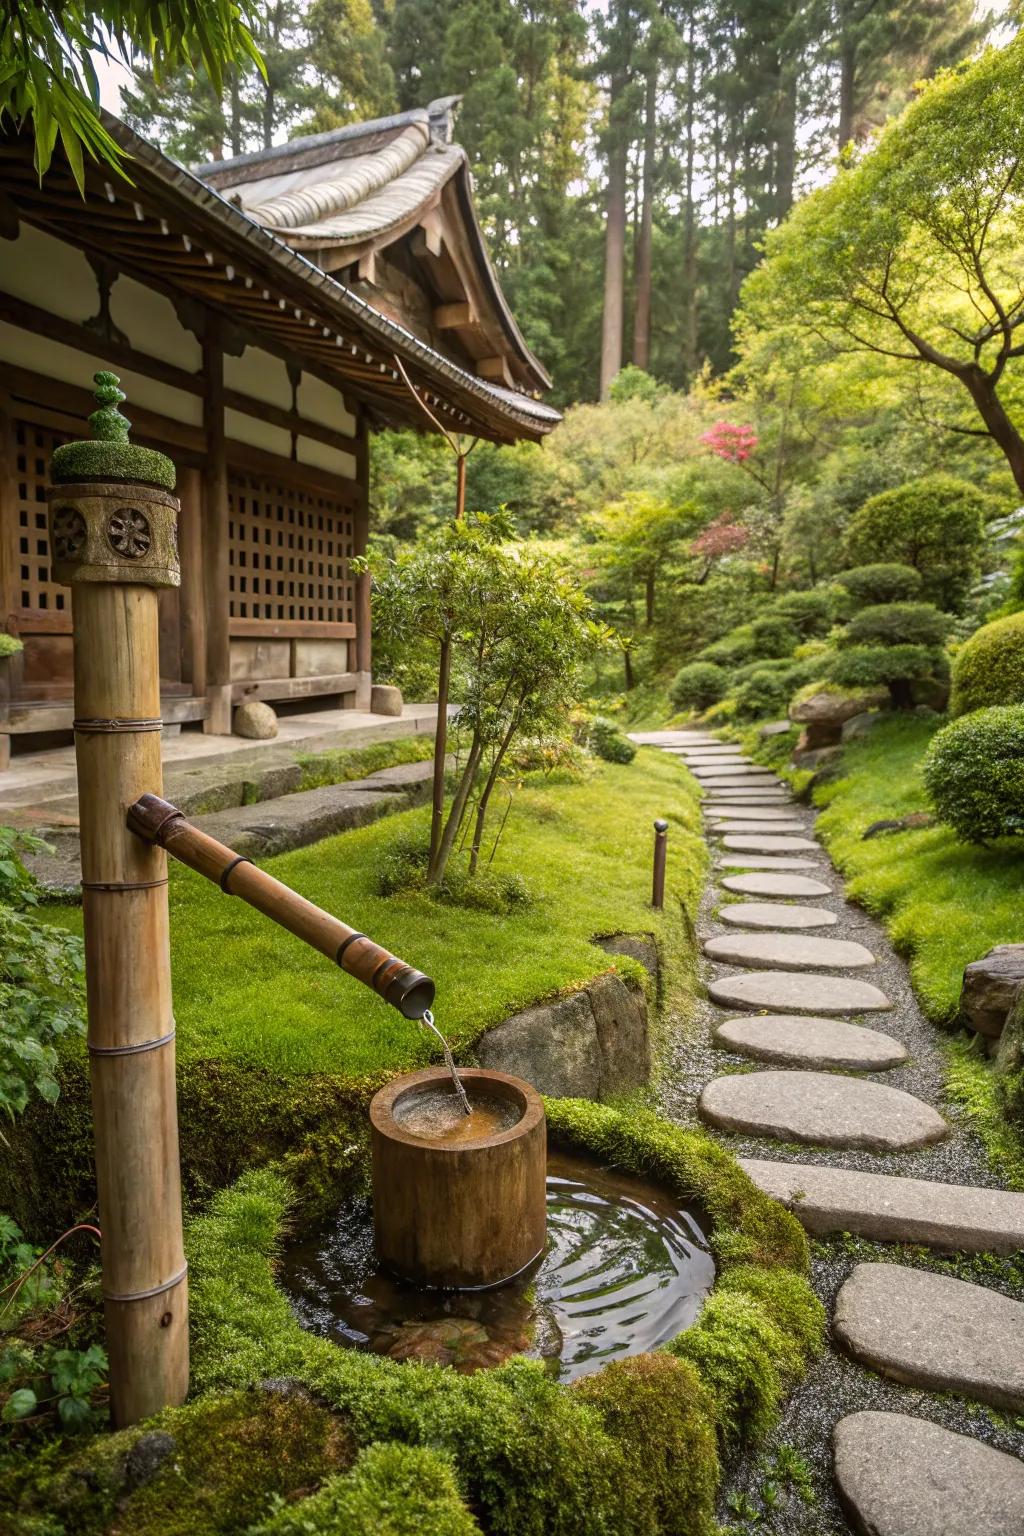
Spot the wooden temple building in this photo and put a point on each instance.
(265, 314)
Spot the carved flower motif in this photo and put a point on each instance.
(67, 532)
(128, 532)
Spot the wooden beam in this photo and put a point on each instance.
(193, 596)
(367, 266)
(360, 538)
(429, 238)
(455, 317)
(289, 629)
(215, 531)
(294, 687)
(496, 369)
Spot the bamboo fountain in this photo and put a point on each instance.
(449, 1211)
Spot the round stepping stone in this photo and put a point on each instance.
(763, 861)
(772, 914)
(792, 1040)
(756, 828)
(934, 1332)
(785, 951)
(899, 1476)
(767, 842)
(824, 1108)
(790, 992)
(775, 885)
(758, 816)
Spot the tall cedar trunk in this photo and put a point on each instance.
(993, 414)
(627, 667)
(847, 82)
(615, 242)
(649, 598)
(642, 281)
(785, 140)
(690, 216)
(444, 677)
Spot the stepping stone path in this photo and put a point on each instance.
(935, 1332)
(780, 951)
(828, 1110)
(766, 914)
(786, 886)
(896, 1474)
(901, 1476)
(791, 1040)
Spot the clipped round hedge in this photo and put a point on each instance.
(897, 624)
(698, 685)
(989, 669)
(936, 524)
(611, 744)
(974, 773)
(883, 582)
(773, 636)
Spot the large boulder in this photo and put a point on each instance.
(823, 712)
(385, 700)
(990, 988)
(255, 721)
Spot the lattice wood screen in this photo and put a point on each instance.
(36, 593)
(289, 552)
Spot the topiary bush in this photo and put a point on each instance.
(811, 614)
(732, 650)
(897, 624)
(897, 667)
(766, 691)
(611, 743)
(698, 685)
(883, 582)
(773, 636)
(974, 773)
(989, 668)
(936, 524)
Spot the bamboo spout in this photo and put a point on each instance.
(157, 821)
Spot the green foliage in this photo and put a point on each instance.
(944, 902)
(698, 684)
(393, 1490)
(974, 773)
(773, 636)
(897, 624)
(884, 582)
(809, 613)
(734, 649)
(989, 668)
(345, 764)
(10, 645)
(935, 524)
(610, 742)
(48, 78)
(763, 692)
(404, 868)
(868, 666)
(41, 983)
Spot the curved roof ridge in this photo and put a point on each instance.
(353, 183)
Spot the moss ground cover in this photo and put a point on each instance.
(348, 763)
(246, 991)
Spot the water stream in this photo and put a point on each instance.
(427, 1022)
(626, 1269)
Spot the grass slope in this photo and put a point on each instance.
(945, 903)
(245, 990)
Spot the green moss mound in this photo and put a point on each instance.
(393, 1490)
(990, 667)
(882, 582)
(698, 685)
(974, 773)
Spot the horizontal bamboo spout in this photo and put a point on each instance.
(157, 821)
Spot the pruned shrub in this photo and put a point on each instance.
(896, 624)
(732, 650)
(989, 669)
(936, 524)
(884, 582)
(772, 636)
(811, 614)
(698, 684)
(611, 743)
(974, 773)
(895, 666)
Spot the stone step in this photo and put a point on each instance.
(774, 914)
(791, 992)
(775, 885)
(762, 861)
(768, 842)
(755, 817)
(737, 768)
(886, 1208)
(727, 825)
(794, 1040)
(670, 738)
(934, 1332)
(765, 799)
(788, 951)
(824, 1109)
(901, 1476)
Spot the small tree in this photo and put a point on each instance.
(895, 645)
(509, 630)
(935, 524)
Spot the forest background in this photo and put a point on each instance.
(632, 161)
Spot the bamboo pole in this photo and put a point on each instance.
(157, 822)
(112, 537)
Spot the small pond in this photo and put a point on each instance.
(626, 1269)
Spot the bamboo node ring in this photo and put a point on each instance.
(108, 727)
(228, 868)
(122, 885)
(155, 1290)
(131, 1050)
(345, 944)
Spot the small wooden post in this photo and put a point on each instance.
(660, 852)
(113, 539)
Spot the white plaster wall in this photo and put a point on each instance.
(257, 434)
(49, 273)
(150, 322)
(322, 403)
(320, 456)
(70, 366)
(259, 375)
